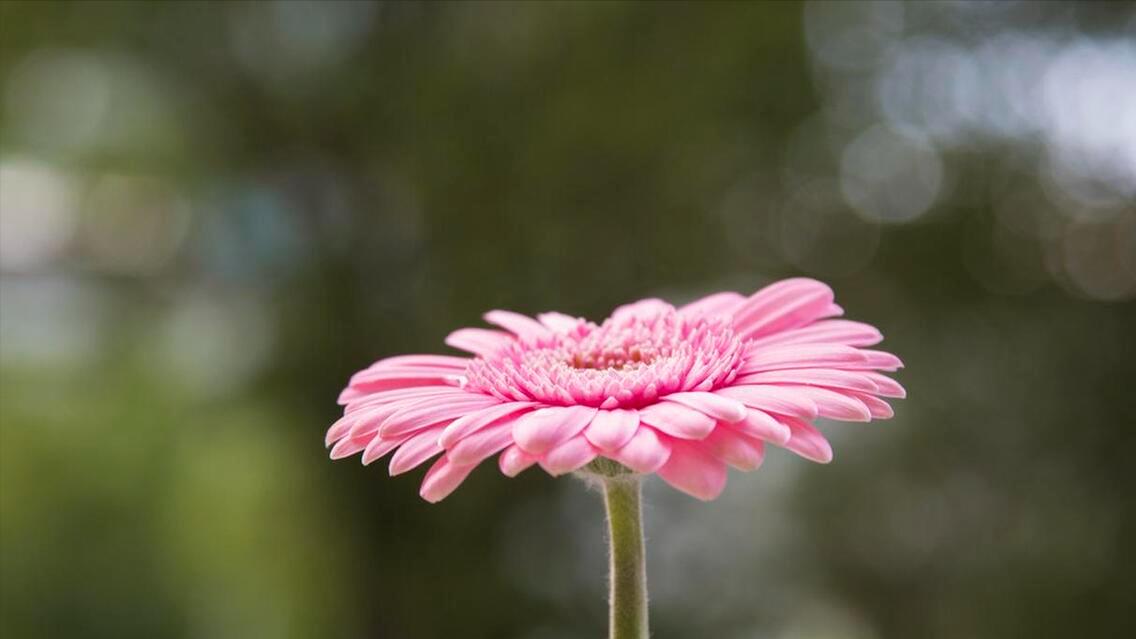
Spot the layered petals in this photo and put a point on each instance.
(514, 461)
(677, 420)
(416, 450)
(694, 471)
(478, 341)
(611, 429)
(482, 444)
(645, 452)
(783, 305)
(539, 431)
(427, 413)
(735, 448)
(519, 325)
(761, 425)
(772, 398)
(682, 393)
(714, 304)
(572, 455)
(711, 405)
(470, 423)
(442, 478)
(807, 441)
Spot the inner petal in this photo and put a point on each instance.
(630, 360)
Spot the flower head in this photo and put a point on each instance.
(682, 393)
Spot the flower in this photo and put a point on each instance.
(679, 392)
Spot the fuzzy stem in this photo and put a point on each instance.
(628, 557)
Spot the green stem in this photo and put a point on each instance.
(628, 557)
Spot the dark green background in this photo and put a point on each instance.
(257, 209)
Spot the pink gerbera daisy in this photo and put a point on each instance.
(679, 392)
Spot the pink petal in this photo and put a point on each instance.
(711, 305)
(645, 453)
(475, 421)
(348, 446)
(348, 395)
(522, 326)
(762, 425)
(694, 472)
(807, 441)
(482, 444)
(774, 399)
(677, 420)
(426, 413)
(370, 418)
(539, 431)
(644, 308)
(768, 301)
(479, 341)
(415, 451)
(844, 332)
(716, 406)
(383, 379)
(835, 405)
(878, 407)
(559, 322)
(805, 303)
(805, 356)
(338, 430)
(368, 421)
(514, 460)
(419, 361)
(380, 447)
(886, 386)
(880, 360)
(397, 394)
(442, 478)
(611, 429)
(738, 450)
(572, 455)
(385, 373)
(829, 377)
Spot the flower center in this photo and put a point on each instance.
(630, 360)
(606, 353)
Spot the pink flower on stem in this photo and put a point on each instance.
(679, 392)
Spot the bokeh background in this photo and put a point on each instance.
(214, 212)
